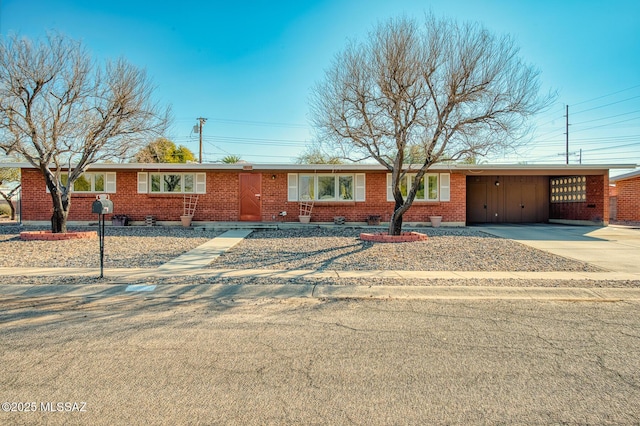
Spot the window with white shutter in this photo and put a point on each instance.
(445, 187)
(360, 187)
(292, 179)
(143, 184)
(110, 182)
(201, 183)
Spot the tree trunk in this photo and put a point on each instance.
(61, 204)
(395, 224)
(59, 221)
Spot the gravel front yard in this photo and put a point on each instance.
(448, 249)
(125, 247)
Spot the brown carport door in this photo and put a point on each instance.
(530, 207)
(507, 199)
(521, 202)
(513, 202)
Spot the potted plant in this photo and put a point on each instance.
(186, 220)
(190, 203)
(373, 220)
(435, 221)
(306, 207)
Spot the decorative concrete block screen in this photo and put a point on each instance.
(569, 189)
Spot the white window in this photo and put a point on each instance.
(432, 187)
(326, 187)
(172, 183)
(92, 182)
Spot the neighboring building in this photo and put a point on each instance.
(461, 194)
(625, 197)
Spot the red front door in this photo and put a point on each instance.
(250, 195)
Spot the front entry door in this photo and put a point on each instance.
(477, 202)
(250, 196)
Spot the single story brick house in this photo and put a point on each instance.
(625, 197)
(461, 194)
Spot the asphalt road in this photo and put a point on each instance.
(140, 359)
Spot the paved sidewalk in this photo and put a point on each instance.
(188, 270)
(239, 291)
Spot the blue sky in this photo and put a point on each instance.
(248, 66)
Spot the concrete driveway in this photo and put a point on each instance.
(612, 248)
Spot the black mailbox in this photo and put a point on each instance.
(102, 206)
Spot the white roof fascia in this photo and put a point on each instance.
(470, 168)
(625, 176)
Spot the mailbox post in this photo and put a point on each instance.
(102, 205)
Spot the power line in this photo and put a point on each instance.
(258, 140)
(612, 147)
(248, 141)
(605, 118)
(254, 123)
(606, 96)
(605, 125)
(606, 105)
(557, 116)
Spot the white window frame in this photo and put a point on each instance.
(442, 187)
(109, 183)
(358, 186)
(199, 183)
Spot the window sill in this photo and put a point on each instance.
(87, 194)
(170, 194)
(432, 202)
(321, 203)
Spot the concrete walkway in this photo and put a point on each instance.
(615, 249)
(206, 253)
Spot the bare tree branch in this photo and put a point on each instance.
(439, 92)
(59, 108)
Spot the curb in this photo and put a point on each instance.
(332, 292)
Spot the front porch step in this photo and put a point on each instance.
(225, 226)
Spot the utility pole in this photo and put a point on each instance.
(201, 122)
(567, 128)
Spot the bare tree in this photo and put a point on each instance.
(59, 109)
(428, 94)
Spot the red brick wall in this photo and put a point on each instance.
(36, 201)
(376, 204)
(629, 200)
(221, 202)
(595, 209)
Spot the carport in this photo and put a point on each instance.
(570, 194)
